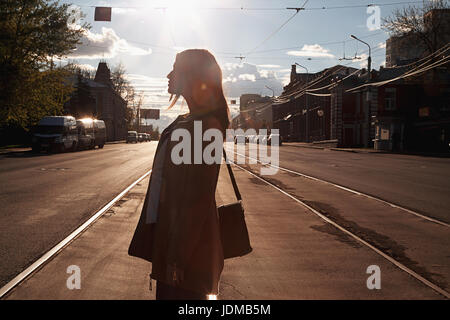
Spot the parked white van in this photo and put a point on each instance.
(57, 133)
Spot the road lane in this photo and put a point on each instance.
(45, 197)
(415, 182)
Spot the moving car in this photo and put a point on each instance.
(55, 133)
(132, 137)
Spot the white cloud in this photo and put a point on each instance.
(240, 78)
(247, 76)
(382, 45)
(362, 61)
(313, 50)
(85, 66)
(106, 44)
(269, 66)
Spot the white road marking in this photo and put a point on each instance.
(442, 223)
(387, 257)
(38, 263)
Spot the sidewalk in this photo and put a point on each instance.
(296, 255)
(313, 146)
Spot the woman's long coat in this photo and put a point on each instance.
(184, 244)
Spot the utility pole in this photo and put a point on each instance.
(306, 102)
(369, 60)
(368, 99)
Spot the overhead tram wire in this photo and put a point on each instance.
(297, 10)
(263, 9)
(242, 8)
(321, 44)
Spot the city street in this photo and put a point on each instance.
(45, 197)
(314, 259)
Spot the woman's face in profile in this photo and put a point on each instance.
(174, 81)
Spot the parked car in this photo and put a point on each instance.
(100, 133)
(132, 137)
(141, 137)
(55, 133)
(85, 129)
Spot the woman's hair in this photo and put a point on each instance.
(200, 72)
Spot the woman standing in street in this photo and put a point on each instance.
(178, 230)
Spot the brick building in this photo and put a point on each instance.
(97, 98)
(304, 111)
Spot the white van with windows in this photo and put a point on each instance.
(56, 133)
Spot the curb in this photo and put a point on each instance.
(300, 146)
(346, 150)
(14, 150)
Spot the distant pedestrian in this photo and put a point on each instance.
(178, 230)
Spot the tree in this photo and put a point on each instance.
(32, 33)
(124, 88)
(424, 23)
(119, 81)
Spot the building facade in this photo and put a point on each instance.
(97, 98)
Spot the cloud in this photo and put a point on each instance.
(362, 61)
(269, 65)
(381, 45)
(106, 44)
(248, 78)
(85, 66)
(313, 50)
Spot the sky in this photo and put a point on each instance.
(145, 35)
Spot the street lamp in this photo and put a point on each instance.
(369, 60)
(306, 102)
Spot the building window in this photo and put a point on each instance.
(390, 98)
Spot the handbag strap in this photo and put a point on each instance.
(233, 180)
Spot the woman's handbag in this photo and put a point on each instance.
(233, 230)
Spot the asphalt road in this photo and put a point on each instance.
(414, 182)
(45, 197)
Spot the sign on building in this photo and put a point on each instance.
(150, 114)
(102, 14)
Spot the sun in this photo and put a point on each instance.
(181, 14)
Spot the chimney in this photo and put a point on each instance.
(293, 72)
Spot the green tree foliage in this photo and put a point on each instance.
(32, 34)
